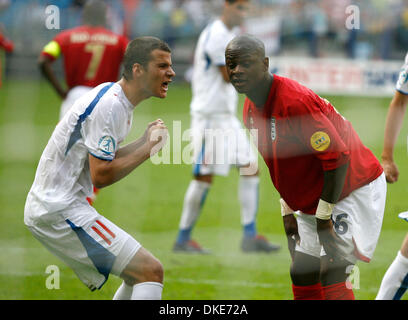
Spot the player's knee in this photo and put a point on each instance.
(156, 273)
(303, 273)
(144, 267)
(206, 178)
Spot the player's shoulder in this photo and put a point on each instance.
(295, 97)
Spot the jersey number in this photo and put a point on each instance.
(97, 53)
(340, 226)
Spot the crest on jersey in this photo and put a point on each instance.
(320, 141)
(273, 128)
(107, 145)
(403, 77)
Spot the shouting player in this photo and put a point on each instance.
(213, 109)
(395, 281)
(92, 55)
(84, 150)
(321, 169)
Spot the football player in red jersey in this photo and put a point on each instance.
(92, 55)
(7, 45)
(332, 187)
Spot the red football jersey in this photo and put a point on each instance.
(300, 135)
(92, 55)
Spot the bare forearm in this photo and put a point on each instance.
(128, 158)
(46, 70)
(334, 183)
(395, 118)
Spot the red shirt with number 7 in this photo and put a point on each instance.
(92, 55)
(301, 135)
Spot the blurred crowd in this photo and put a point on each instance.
(314, 28)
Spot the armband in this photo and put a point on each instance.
(324, 210)
(285, 209)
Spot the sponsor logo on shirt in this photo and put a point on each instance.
(107, 145)
(320, 141)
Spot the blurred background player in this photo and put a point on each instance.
(92, 55)
(84, 150)
(395, 281)
(321, 170)
(213, 107)
(7, 45)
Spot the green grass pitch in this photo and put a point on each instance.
(148, 205)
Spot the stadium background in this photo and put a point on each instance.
(299, 35)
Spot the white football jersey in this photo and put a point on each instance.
(211, 94)
(97, 123)
(402, 83)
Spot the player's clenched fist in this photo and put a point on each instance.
(390, 170)
(156, 135)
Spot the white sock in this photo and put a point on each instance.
(391, 286)
(193, 201)
(147, 291)
(124, 292)
(248, 197)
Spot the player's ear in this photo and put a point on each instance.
(266, 64)
(137, 70)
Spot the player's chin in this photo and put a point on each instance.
(162, 91)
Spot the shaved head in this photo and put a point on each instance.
(247, 44)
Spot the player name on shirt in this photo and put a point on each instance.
(81, 37)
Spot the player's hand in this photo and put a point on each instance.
(156, 135)
(329, 239)
(390, 170)
(63, 94)
(292, 234)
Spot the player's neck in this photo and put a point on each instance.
(260, 94)
(132, 92)
(225, 21)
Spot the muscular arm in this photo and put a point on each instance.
(393, 126)
(334, 183)
(45, 66)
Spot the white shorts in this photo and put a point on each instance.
(87, 242)
(72, 96)
(218, 143)
(357, 221)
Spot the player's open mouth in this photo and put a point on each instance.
(165, 85)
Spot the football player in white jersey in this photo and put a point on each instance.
(84, 150)
(213, 120)
(395, 281)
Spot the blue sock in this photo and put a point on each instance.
(184, 235)
(250, 230)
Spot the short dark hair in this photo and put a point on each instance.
(94, 13)
(139, 51)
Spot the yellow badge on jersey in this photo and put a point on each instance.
(320, 141)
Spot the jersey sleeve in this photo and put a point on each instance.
(319, 135)
(6, 44)
(54, 48)
(402, 83)
(102, 133)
